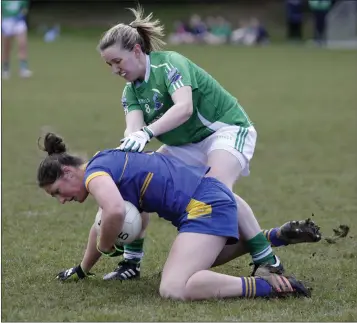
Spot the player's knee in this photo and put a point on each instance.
(172, 290)
(145, 217)
(190, 291)
(195, 288)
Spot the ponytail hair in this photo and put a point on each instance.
(144, 31)
(50, 169)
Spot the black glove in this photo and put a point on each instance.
(73, 273)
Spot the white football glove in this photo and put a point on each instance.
(136, 141)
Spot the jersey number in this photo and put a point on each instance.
(147, 108)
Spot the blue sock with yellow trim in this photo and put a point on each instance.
(272, 236)
(255, 287)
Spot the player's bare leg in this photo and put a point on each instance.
(292, 232)
(249, 228)
(194, 280)
(5, 58)
(22, 43)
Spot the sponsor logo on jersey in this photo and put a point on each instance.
(156, 98)
(144, 101)
(125, 104)
(174, 75)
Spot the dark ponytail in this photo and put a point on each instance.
(52, 144)
(50, 169)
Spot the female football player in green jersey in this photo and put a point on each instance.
(13, 24)
(169, 97)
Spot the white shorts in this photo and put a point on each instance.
(13, 26)
(240, 142)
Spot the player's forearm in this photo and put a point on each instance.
(134, 122)
(129, 131)
(91, 255)
(174, 117)
(130, 128)
(110, 227)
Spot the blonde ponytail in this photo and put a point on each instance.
(142, 31)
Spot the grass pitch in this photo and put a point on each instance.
(303, 103)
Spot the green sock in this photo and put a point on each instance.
(260, 250)
(23, 64)
(134, 251)
(6, 66)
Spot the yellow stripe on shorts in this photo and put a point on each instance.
(145, 186)
(196, 209)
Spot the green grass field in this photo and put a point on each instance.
(303, 102)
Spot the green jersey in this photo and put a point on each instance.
(213, 106)
(320, 4)
(13, 8)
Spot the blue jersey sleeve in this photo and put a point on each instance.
(95, 171)
(105, 163)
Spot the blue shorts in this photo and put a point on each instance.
(212, 210)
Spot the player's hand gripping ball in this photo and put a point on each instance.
(131, 228)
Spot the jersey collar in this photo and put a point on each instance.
(147, 73)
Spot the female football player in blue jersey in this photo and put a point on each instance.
(202, 208)
(169, 97)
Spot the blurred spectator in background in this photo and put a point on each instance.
(320, 9)
(262, 36)
(181, 34)
(238, 35)
(197, 27)
(13, 24)
(294, 16)
(250, 33)
(218, 31)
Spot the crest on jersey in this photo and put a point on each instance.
(156, 98)
(125, 104)
(174, 75)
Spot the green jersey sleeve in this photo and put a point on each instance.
(129, 100)
(178, 73)
(13, 8)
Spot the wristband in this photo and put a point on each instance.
(80, 272)
(148, 131)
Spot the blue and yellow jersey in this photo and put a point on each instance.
(151, 181)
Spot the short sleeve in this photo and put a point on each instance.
(93, 172)
(129, 100)
(178, 73)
